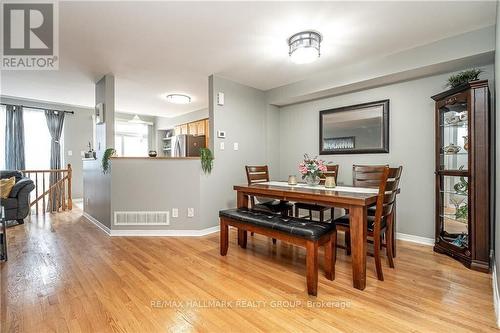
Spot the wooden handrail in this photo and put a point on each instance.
(59, 191)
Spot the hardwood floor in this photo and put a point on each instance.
(66, 275)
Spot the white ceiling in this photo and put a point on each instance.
(155, 48)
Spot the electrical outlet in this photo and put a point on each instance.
(236, 146)
(222, 146)
(175, 212)
(70, 153)
(190, 212)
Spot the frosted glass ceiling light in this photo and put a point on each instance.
(304, 47)
(178, 99)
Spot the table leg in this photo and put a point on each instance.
(224, 237)
(358, 245)
(241, 202)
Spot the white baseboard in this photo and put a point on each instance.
(97, 223)
(173, 233)
(415, 239)
(496, 296)
(151, 233)
(207, 231)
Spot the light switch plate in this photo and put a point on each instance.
(70, 153)
(221, 146)
(175, 212)
(236, 146)
(220, 98)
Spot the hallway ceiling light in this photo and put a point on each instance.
(136, 120)
(304, 47)
(179, 99)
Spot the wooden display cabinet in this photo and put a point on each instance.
(464, 174)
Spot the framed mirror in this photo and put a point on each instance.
(355, 129)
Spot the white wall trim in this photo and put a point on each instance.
(211, 230)
(97, 223)
(496, 296)
(415, 239)
(174, 233)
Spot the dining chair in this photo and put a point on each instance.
(361, 175)
(381, 223)
(260, 174)
(332, 170)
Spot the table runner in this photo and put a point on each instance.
(322, 187)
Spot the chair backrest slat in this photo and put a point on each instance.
(367, 175)
(257, 174)
(332, 170)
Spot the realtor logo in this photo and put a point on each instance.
(30, 36)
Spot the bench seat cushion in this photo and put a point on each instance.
(291, 225)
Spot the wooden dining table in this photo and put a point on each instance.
(356, 199)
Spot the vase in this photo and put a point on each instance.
(312, 180)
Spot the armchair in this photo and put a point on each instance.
(17, 205)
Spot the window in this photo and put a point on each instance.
(131, 139)
(37, 140)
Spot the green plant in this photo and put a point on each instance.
(464, 77)
(462, 212)
(207, 160)
(106, 164)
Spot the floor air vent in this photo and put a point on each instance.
(142, 218)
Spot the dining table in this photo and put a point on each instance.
(355, 199)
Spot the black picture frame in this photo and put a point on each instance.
(384, 149)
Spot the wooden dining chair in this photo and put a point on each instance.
(382, 222)
(260, 174)
(367, 176)
(332, 170)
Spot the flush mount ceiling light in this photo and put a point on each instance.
(178, 99)
(304, 47)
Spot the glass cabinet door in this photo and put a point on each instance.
(454, 210)
(454, 134)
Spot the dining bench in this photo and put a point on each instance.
(297, 231)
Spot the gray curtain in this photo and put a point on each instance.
(55, 123)
(14, 138)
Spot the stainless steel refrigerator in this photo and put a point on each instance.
(186, 145)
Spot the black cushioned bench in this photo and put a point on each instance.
(293, 230)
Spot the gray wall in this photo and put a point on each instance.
(77, 134)
(244, 118)
(411, 143)
(157, 185)
(97, 186)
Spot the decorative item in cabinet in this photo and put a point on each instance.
(463, 174)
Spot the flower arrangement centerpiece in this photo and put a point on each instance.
(312, 169)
